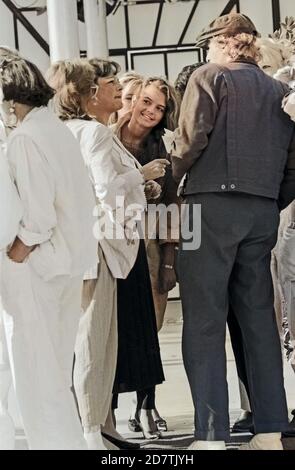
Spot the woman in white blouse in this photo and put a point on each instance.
(43, 267)
(10, 216)
(85, 102)
(10, 206)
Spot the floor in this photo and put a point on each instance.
(173, 396)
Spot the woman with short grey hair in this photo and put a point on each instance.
(44, 264)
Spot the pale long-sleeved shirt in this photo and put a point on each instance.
(114, 173)
(56, 195)
(97, 145)
(10, 206)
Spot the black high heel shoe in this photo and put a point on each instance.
(134, 425)
(161, 425)
(150, 435)
(149, 427)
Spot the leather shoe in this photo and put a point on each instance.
(290, 432)
(161, 424)
(244, 423)
(124, 445)
(134, 425)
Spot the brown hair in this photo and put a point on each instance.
(104, 68)
(169, 119)
(22, 82)
(72, 81)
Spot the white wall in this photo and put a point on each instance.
(142, 19)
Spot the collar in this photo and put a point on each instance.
(33, 112)
(244, 60)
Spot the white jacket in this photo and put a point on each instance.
(114, 172)
(56, 195)
(10, 206)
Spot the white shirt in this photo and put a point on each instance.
(113, 172)
(56, 195)
(10, 206)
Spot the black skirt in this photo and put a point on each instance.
(139, 364)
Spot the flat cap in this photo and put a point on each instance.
(228, 25)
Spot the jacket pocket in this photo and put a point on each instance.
(51, 258)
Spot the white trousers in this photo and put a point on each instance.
(7, 440)
(41, 321)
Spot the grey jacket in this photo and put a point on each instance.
(233, 134)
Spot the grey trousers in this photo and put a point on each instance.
(232, 268)
(96, 348)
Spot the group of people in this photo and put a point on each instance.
(81, 306)
(69, 264)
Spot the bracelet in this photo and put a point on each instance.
(167, 266)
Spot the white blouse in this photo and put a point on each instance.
(56, 195)
(10, 206)
(114, 172)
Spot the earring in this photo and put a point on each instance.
(11, 118)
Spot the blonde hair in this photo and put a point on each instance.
(242, 45)
(136, 81)
(271, 55)
(170, 117)
(131, 77)
(72, 81)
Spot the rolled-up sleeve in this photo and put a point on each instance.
(108, 183)
(10, 206)
(35, 183)
(197, 118)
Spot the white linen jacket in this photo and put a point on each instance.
(114, 172)
(56, 195)
(10, 206)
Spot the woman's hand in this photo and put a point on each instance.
(155, 169)
(167, 274)
(152, 190)
(19, 251)
(167, 279)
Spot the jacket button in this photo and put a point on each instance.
(223, 186)
(233, 186)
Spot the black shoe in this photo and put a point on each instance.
(134, 425)
(161, 424)
(124, 445)
(244, 423)
(290, 432)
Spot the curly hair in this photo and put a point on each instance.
(184, 76)
(242, 45)
(72, 82)
(6, 51)
(21, 81)
(170, 117)
(104, 68)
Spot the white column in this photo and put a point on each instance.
(96, 28)
(63, 29)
